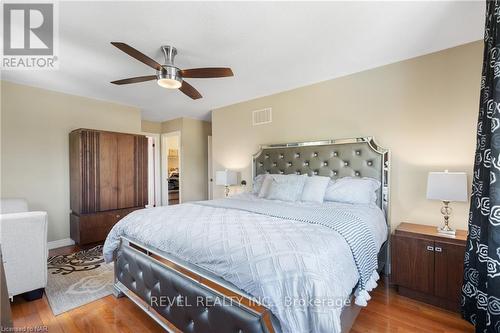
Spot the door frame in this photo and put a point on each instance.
(164, 166)
(155, 167)
(210, 169)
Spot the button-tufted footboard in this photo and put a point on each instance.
(181, 300)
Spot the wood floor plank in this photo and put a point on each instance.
(67, 323)
(390, 312)
(17, 316)
(88, 318)
(48, 319)
(126, 318)
(131, 309)
(31, 315)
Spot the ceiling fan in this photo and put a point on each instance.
(168, 75)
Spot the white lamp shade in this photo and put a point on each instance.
(226, 178)
(447, 186)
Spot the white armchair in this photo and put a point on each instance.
(23, 239)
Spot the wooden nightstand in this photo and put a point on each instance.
(428, 266)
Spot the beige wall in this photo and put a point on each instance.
(150, 127)
(34, 145)
(423, 109)
(171, 125)
(194, 159)
(194, 156)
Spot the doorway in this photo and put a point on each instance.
(171, 168)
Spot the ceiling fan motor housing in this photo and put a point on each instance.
(168, 75)
(169, 52)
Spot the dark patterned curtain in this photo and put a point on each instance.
(481, 287)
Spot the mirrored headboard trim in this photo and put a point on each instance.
(355, 157)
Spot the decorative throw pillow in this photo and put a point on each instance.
(315, 188)
(353, 190)
(286, 187)
(257, 183)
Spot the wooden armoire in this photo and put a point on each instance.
(108, 180)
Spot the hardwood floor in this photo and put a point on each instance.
(105, 315)
(386, 312)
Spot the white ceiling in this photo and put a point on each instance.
(271, 46)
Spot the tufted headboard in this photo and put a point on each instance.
(359, 157)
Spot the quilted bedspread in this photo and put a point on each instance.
(303, 272)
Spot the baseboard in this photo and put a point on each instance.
(60, 243)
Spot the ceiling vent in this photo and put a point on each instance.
(263, 116)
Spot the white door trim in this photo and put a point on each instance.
(210, 169)
(156, 166)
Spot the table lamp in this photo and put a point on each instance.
(226, 178)
(446, 187)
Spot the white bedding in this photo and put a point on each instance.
(278, 261)
(371, 214)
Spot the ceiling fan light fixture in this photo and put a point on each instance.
(169, 83)
(168, 78)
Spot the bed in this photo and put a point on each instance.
(247, 264)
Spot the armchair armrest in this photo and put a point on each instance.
(23, 238)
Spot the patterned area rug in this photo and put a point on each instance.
(77, 279)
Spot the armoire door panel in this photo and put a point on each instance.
(141, 171)
(126, 171)
(449, 270)
(144, 165)
(107, 171)
(75, 170)
(89, 165)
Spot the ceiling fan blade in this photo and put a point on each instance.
(206, 73)
(137, 55)
(135, 79)
(189, 90)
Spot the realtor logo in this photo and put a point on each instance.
(29, 36)
(28, 29)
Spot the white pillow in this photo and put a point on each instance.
(315, 188)
(266, 185)
(257, 183)
(285, 187)
(353, 190)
